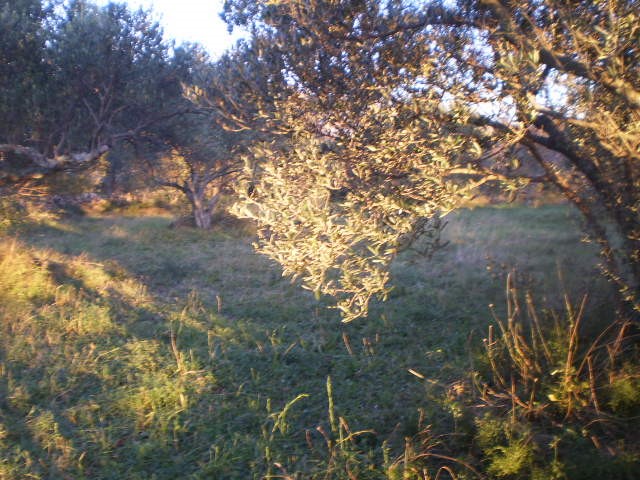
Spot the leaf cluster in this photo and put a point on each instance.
(390, 112)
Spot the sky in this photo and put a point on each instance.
(190, 21)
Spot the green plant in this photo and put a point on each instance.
(545, 383)
(539, 367)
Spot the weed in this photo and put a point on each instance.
(543, 382)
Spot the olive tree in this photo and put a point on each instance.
(388, 113)
(79, 80)
(199, 160)
(195, 154)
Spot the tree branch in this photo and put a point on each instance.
(57, 161)
(559, 61)
(166, 183)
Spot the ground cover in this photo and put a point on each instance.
(131, 349)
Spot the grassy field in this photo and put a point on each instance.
(132, 350)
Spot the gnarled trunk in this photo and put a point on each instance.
(202, 207)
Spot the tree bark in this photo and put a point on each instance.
(203, 208)
(40, 164)
(612, 226)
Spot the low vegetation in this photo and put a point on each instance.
(344, 136)
(131, 349)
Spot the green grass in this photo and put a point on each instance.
(134, 350)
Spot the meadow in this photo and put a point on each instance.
(131, 349)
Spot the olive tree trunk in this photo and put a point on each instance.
(203, 206)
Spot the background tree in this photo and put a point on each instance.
(394, 111)
(199, 160)
(22, 72)
(88, 78)
(194, 154)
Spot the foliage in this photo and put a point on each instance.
(80, 79)
(22, 37)
(546, 385)
(339, 238)
(387, 109)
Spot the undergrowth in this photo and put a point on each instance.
(556, 398)
(134, 350)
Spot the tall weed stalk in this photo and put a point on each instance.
(542, 367)
(549, 386)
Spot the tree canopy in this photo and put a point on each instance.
(77, 80)
(390, 113)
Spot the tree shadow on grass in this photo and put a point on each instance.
(97, 382)
(136, 377)
(191, 382)
(179, 375)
